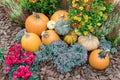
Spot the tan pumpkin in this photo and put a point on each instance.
(36, 23)
(51, 24)
(49, 36)
(60, 14)
(71, 37)
(30, 42)
(90, 42)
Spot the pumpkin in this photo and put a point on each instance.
(30, 42)
(51, 24)
(60, 14)
(90, 42)
(99, 59)
(49, 36)
(36, 23)
(71, 37)
(62, 27)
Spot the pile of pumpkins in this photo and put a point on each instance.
(39, 29)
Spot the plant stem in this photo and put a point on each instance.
(36, 15)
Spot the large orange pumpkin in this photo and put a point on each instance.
(49, 36)
(60, 14)
(30, 42)
(98, 62)
(36, 23)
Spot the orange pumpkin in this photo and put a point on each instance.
(60, 14)
(30, 42)
(49, 36)
(36, 23)
(99, 59)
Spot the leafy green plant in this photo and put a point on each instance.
(2, 52)
(107, 45)
(75, 55)
(14, 9)
(110, 28)
(87, 16)
(51, 51)
(65, 57)
(47, 7)
(19, 35)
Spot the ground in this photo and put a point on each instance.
(47, 71)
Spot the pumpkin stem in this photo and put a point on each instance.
(89, 36)
(45, 34)
(104, 53)
(26, 34)
(62, 16)
(36, 15)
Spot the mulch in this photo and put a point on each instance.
(47, 71)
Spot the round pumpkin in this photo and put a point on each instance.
(60, 14)
(36, 23)
(51, 24)
(71, 37)
(49, 36)
(98, 62)
(62, 27)
(30, 42)
(90, 42)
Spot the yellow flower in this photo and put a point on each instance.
(82, 23)
(90, 28)
(33, 1)
(103, 8)
(98, 24)
(86, 18)
(105, 16)
(77, 18)
(85, 1)
(81, 8)
(101, 13)
(85, 33)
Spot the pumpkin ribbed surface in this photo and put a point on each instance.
(49, 36)
(89, 42)
(96, 62)
(36, 24)
(60, 14)
(30, 42)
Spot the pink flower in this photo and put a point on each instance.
(7, 69)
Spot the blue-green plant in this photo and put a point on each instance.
(2, 52)
(75, 55)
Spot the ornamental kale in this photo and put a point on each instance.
(76, 55)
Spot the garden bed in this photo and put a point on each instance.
(47, 70)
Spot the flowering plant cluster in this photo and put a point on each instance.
(18, 62)
(88, 15)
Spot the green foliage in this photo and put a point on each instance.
(76, 55)
(88, 16)
(51, 51)
(64, 57)
(47, 7)
(107, 45)
(2, 52)
(14, 8)
(110, 28)
(19, 35)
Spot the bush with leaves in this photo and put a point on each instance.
(75, 55)
(47, 7)
(65, 57)
(2, 52)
